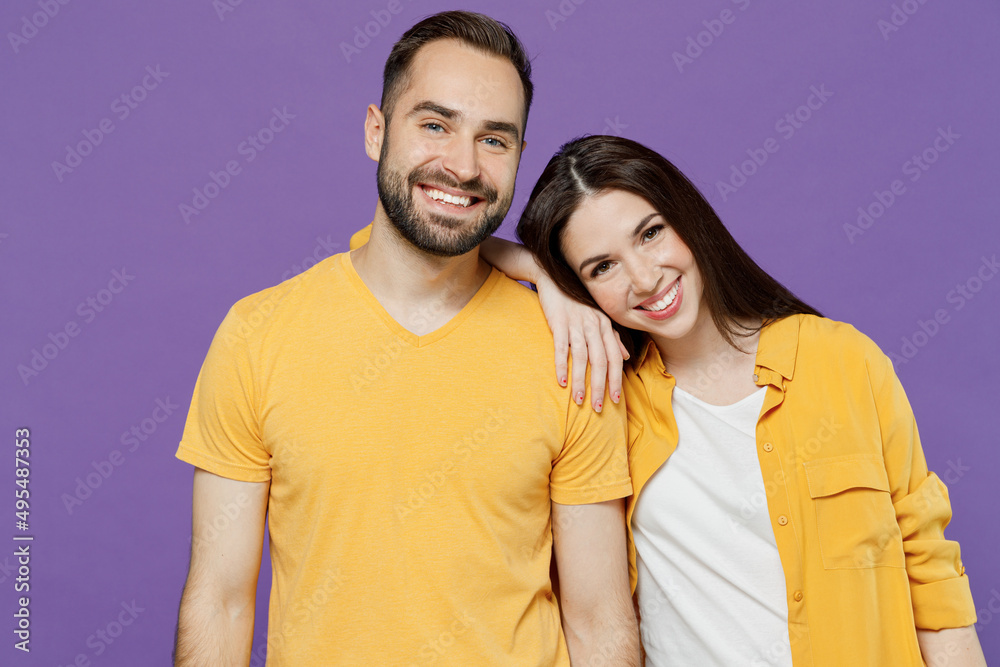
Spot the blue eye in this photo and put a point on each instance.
(434, 127)
(496, 143)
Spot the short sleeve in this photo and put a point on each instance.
(222, 432)
(593, 464)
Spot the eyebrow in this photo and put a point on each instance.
(635, 232)
(500, 126)
(427, 105)
(503, 127)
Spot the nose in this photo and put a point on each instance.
(644, 277)
(462, 159)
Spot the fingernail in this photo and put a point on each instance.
(617, 397)
(579, 398)
(562, 381)
(599, 406)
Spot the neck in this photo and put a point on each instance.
(699, 347)
(705, 364)
(419, 290)
(704, 347)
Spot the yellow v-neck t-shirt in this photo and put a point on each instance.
(411, 476)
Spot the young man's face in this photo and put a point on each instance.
(448, 159)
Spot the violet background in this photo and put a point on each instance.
(606, 68)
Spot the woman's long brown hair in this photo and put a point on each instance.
(735, 288)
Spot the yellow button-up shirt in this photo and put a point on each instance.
(857, 517)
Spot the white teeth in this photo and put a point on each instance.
(445, 197)
(667, 299)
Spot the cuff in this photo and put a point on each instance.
(587, 496)
(943, 604)
(222, 468)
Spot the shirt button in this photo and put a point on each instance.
(755, 378)
(768, 446)
(782, 520)
(797, 596)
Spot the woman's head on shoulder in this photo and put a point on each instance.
(618, 226)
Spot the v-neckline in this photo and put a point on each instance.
(398, 329)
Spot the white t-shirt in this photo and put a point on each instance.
(711, 587)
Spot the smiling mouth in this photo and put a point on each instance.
(664, 301)
(455, 200)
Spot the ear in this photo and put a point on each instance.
(374, 132)
(524, 144)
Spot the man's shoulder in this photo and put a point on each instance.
(516, 294)
(294, 294)
(518, 306)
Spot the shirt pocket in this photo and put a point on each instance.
(855, 519)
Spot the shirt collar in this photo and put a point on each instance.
(776, 349)
(778, 345)
(650, 353)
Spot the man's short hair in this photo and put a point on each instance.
(475, 30)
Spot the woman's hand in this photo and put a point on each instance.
(586, 333)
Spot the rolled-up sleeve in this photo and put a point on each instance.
(939, 589)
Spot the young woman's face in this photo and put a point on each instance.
(634, 265)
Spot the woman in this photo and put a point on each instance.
(782, 512)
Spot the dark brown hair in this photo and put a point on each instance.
(735, 288)
(475, 30)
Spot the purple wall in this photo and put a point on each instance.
(105, 275)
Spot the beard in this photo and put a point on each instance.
(435, 233)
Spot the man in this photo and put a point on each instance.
(392, 410)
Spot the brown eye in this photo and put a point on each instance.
(652, 232)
